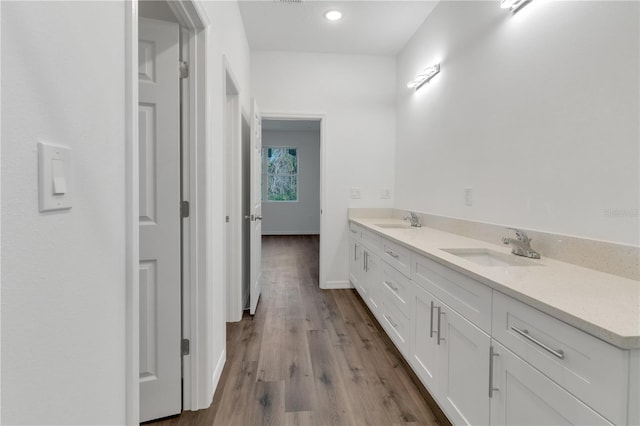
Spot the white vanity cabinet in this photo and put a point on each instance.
(364, 264)
(586, 375)
(485, 357)
(522, 395)
(450, 354)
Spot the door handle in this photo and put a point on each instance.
(258, 217)
(247, 217)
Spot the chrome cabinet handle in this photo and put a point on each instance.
(258, 217)
(392, 254)
(558, 353)
(393, 323)
(440, 313)
(366, 261)
(431, 321)
(353, 231)
(391, 286)
(491, 355)
(355, 252)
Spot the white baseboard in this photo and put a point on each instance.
(336, 285)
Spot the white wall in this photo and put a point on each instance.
(63, 274)
(357, 94)
(537, 112)
(226, 38)
(303, 216)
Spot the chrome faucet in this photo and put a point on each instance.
(414, 219)
(520, 245)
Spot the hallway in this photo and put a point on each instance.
(309, 356)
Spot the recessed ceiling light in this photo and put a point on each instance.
(333, 15)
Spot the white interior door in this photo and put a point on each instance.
(256, 206)
(159, 139)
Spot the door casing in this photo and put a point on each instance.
(322, 117)
(195, 174)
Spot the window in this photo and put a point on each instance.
(280, 174)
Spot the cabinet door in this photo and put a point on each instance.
(355, 263)
(424, 347)
(369, 279)
(525, 396)
(463, 368)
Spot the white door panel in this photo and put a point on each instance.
(159, 144)
(256, 206)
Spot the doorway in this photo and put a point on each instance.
(308, 122)
(291, 177)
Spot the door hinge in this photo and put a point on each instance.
(184, 69)
(185, 346)
(184, 209)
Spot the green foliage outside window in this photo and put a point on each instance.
(281, 166)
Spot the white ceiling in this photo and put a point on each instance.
(371, 27)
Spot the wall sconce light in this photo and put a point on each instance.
(424, 77)
(514, 5)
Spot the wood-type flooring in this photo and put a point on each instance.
(309, 356)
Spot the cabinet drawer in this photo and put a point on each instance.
(371, 240)
(396, 288)
(592, 370)
(355, 231)
(397, 256)
(522, 395)
(470, 298)
(396, 325)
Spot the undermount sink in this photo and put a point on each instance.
(486, 257)
(393, 225)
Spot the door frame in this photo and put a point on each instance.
(322, 117)
(195, 238)
(232, 147)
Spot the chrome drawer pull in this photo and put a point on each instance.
(393, 324)
(431, 321)
(392, 254)
(491, 355)
(440, 314)
(559, 353)
(391, 286)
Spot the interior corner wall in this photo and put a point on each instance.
(226, 39)
(356, 93)
(536, 112)
(63, 272)
(301, 217)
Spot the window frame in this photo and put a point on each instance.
(266, 174)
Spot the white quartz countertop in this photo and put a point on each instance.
(603, 305)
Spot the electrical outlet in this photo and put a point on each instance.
(468, 196)
(355, 194)
(385, 194)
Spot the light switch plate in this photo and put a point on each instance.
(385, 194)
(54, 174)
(356, 194)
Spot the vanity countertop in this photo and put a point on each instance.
(603, 305)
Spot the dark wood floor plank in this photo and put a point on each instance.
(331, 395)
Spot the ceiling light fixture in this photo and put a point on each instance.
(514, 5)
(333, 15)
(424, 77)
